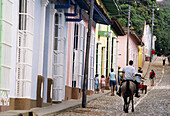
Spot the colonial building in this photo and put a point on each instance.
(42, 51)
(107, 47)
(147, 41)
(6, 40)
(107, 40)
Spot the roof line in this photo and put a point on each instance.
(118, 6)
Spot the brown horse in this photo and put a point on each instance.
(128, 90)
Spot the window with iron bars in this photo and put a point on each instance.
(24, 48)
(58, 56)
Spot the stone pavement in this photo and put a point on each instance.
(54, 108)
(98, 104)
(154, 103)
(145, 67)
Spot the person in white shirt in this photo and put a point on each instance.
(138, 78)
(130, 73)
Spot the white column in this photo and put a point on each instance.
(99, 60)
(15, 21)
(114, 54)
(51, 41)
(117, 43)
(44, 3)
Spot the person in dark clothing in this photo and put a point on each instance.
(169, 59)
(152, 77)
(164, 59)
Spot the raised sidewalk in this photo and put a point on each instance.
(54, 108)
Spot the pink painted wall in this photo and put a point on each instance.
(70, 51)
(122, 50)
(133, 50)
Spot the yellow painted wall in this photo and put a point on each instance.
(97, 29)
(103, 41)
(140, 56)
(103, 63)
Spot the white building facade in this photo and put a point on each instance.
(147, 41)
(42, 51)
(6, 25)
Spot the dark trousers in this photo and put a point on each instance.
(163, 62)
(137, 87)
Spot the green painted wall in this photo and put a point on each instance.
(1, 7)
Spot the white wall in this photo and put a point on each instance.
(37, 23)
(15, 20)
(6, 47)
(147, 40)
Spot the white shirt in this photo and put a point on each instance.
(129, 72)
(138, 78)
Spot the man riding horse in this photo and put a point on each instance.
(130, 72)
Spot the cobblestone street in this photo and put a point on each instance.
(155, 102)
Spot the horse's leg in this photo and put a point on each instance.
(132, 103)
(125, 105)
(128, 103)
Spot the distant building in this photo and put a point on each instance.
(147, 42)
(134, 42)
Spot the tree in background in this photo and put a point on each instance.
(162, 30)
(141, 12)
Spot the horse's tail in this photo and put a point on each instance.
(128, 86)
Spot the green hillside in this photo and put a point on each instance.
(141, 12)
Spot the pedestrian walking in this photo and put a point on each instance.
(169, 59)
(96, 79)
(102, 83)
(130, 73)
(119, 78)
(163, 59)
(113, 83)
(152, 77)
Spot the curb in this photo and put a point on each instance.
(67, 105)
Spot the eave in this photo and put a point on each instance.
(115, 25)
